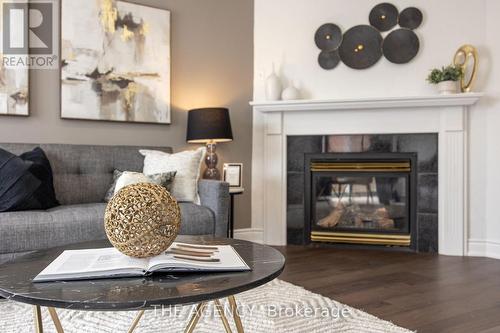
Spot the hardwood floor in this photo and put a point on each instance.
(423, 292)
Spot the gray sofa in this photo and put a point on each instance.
(82, 175)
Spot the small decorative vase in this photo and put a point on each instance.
(142, 220)
(273, 87)
(447, 87)
(290, 93)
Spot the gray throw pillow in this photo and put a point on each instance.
(164, 179)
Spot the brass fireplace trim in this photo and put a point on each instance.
(361, 238)
(402, 166)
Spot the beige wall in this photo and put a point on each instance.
(212, 65)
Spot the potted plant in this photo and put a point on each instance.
(446, 78)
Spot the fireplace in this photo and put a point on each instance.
(372, 189)
(284, 131)
(361, 198)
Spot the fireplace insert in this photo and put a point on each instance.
(361, 198)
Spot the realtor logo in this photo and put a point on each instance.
(29, 34)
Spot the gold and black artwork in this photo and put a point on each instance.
(115, 62)
(389, 34)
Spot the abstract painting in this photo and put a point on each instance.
(115, 62)
(14, 91)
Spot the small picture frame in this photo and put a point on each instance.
(233, 174)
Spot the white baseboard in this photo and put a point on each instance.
(250, 234)
(484, 248)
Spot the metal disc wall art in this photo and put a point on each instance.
(329, 59)
(410, 18)
(361, 47)
(384, 16)
(401, 46)
(328, 37)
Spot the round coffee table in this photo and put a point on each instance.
(126, 294)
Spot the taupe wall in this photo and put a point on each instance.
(212, 65)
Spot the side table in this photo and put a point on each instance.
(233, 191)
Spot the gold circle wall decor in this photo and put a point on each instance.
(142, 220)
(384, 16)
(462, 58)
(362, 46)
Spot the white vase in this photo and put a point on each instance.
(273, 87)
(447, 87)
(290, 93)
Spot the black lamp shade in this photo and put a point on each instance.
(209, 125)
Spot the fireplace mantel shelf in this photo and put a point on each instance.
(464, 99)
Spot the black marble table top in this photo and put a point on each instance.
(137, 293)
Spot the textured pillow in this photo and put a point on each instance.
(111, 190)
(129, 178)
(26, 181)
(187, 164)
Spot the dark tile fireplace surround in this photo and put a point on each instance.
(424, 146)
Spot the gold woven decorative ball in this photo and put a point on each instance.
(142, 220)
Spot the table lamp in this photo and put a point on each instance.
(209, 126)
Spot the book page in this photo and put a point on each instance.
(95, 260)
(228, 260)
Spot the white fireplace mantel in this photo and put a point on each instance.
(368, 103)
(446, 115)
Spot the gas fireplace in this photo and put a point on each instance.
(361, 198)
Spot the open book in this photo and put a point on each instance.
(110, 263)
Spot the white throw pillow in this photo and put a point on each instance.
(186, 163)
(129, 178)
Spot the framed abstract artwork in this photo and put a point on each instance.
(14, 86)
(115, 62)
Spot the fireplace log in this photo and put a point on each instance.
(334, 217)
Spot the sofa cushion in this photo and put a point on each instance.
(130, 178)
(26, 181)
(187, 164)
(34, 230)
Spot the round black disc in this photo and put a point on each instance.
(329, 60)
(401, 46)
(328, 37)
(361, 47)
(384, 16)
(411, 18)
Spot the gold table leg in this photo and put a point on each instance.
(236, 315)
(234, 310)
(196, 317)
(225, 322)
(136, 321)
(37, 313)
(55, 319)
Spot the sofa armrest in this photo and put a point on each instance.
(215, 195)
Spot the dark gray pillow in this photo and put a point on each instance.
(164, 179)
(26, 181)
